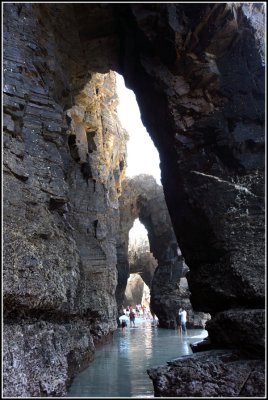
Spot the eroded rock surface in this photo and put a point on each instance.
(217, 373)
(205, 76)
(64, 158)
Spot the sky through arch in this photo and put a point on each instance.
(142, 155)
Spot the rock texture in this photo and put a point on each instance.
(213, 148)
(64, 157)
(195, 319)
(203, 69)
(197, 71)
(210, 374)
(144, 264)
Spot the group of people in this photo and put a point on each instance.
(140, 310)
(129, 315)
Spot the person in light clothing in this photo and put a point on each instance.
(183, 315)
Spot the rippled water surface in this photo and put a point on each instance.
(119, 368)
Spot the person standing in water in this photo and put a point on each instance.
(183, 315)
(178, 321)
(132, 318)
(123, 322)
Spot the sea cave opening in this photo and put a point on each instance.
(141, 266)
(156, 266)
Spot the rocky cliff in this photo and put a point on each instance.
(64, 157)
(198, 74)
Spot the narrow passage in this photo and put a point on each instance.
(119, 368)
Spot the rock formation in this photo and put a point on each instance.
(210, 374)
(195, 319)
(64, 158)
(144, 264)
(134, 291)
(142, 197)
(197, 71)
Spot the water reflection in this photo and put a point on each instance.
(123, 345)
(119, 368)
(147, 341)
(185, 346)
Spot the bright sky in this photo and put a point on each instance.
(138, 234)
(142, 155)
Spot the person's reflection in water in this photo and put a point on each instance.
(122, 385)
(184, 345)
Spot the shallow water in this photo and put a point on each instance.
(119, 367)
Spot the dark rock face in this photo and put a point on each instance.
(218, 373)
(63, 151)
(243, 329)
(204, 74)
(198, 74)
(212, 177)
(195, 319)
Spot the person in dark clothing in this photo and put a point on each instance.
(132, 318)
(178, 320)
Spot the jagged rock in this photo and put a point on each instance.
(242, 329)
(215, 373)
(39, 355)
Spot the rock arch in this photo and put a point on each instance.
(143, 198)
(143, 264)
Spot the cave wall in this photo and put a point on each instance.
(198, 74)
(64, 158)
(202, 66)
